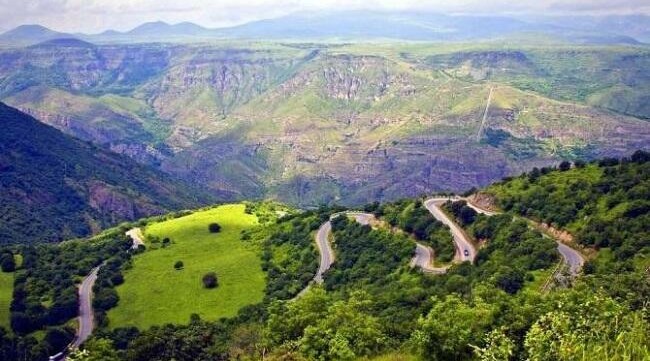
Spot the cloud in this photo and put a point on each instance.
(98, 15)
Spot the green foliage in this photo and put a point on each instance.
(412, 217)
(365, 256)
(96, 349)
(214, 228)
(604, 204)
(289, 255)
(55, 187)
(593, 327)
(154, 293)
(45, 292)
(463, 213)
(210, 280)
(347, 331)
(450, 327)
(7, 261)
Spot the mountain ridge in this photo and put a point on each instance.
(56, 187)
(357, 25)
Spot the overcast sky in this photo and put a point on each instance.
(99, 15)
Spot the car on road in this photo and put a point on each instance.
(466, 253)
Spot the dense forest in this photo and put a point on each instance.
(55, 187)
(374, 306)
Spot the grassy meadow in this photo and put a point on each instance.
(6, 291)
(155, 293)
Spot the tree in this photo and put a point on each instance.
(564, 166)
(58, 338)
(99, 349)
(214, 228)
(210, 280)
(450, 328)
(498, 347)
(166, 241)
(178, 265)
(347, 332)
(7, 262)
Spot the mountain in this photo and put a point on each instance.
(29, 35)
(55, 187)
(374, 25)
(162, 29)
(366, 24)
(155, 31)
(313, 123)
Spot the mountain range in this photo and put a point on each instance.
(311, 123)
(365, 25)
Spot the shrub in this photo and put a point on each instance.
(166, 241)
(564, 166)
(7, 262)
(214, 228)
(179, 265)
(210, 280)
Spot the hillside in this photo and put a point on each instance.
(316, 123)
(512, 302)
(55, 187)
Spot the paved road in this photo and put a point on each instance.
(86, 316)
(136, 236)
(460, 238)
(572, 258)
(424, 259)
(325, 250)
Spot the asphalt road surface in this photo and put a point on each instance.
(86, 316)
(572, 258)
(462, 242)
(325, 250)
(424, 259)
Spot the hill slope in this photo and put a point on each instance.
(315, 123)
(53, 186)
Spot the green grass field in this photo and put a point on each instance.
(6, 292)
(154, 293)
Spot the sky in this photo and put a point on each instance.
(92, 16)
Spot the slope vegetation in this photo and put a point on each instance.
(54, 187)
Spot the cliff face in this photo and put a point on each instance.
(309, 125)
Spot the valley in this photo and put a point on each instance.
(314, 181)
(265, 254)
(323, 123)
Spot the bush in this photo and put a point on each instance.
(179, 265)
(564, 166)
(214, 228)
(210, 280)
(7, 262)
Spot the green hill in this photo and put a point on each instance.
(55, 187)
(155, 293)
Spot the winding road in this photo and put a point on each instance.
(423, 257)
(86, 315)
(465, 250)
(572, 258)
(325, 250)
